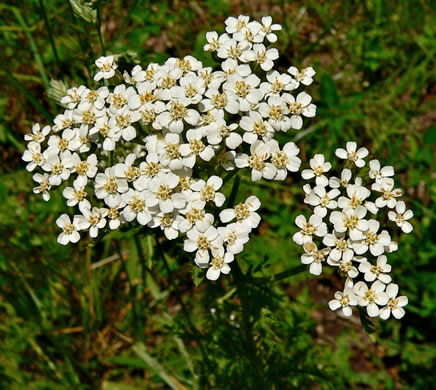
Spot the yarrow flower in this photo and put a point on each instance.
(154, 148)
(348, 231)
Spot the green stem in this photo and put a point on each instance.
(126, 19)
(131, 291)
(50, 35)
(141, 258)
(98, 27)
(284, 274)
(233, 192)
(182, 304)
(247, 324)
(28, 95)
(85, 46)
(230, 175)
(33, 46)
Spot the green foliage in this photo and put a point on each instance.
(114, 313)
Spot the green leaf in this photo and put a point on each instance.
(119, 386)
(197, 275)
(154, 365)
(367, 324)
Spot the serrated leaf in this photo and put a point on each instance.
(197, 275)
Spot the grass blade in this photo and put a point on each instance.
(49, 32)
(28, 95)
(33, 47)
(154, 365)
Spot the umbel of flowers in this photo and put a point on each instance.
(347, 230)
(154, 149)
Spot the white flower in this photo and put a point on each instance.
(260, 152)
(106, 66)
(344, 181)
(208, 191)
(148, 169)
(33, 156)
(196, 147)
(59, 167)
(170, 155)
(58, 144)
(379, 271)
(401, 217)
(96, 98)
(81, 141)
(76, 194)
(114, 215)
(394, 305)
(345, 264)
(284, 160)
(314, 257)
(92, 219)
(379, 174)
(137, 75)
(276, 111)
(87, 114)
(315, 226)
(352, 154)
(202, 238)
(236, 24)
(168, 222)
(235, 236)
(63, 121)
(245, 89)
(86, 167)
(73, 96)
(298, 107)
(229, 67)
(322, 200)
(375, 242)
(318, 167)
(356, 196)
(37, 135)
(304, 76)
(233, 49)
(135, 206)
(259, 54)
(277, 83)
(146, 95)
(194, 212)
(268, 28)
(127, 170)
(220, 101)
(388, 193)
(191, 88)
(255, 127)
(44, 185)
(123, 120)
(252, 33)
(109, 187)
(340, 243)
(69, 230)
(163, 193)
(219, 263)
(244, 213)
(350, 220)
(176, 114)
(372, 297)
(344, 300)
(214, 42)
(215, 134)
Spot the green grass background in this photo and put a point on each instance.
(81, 318)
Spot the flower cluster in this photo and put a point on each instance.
(153, 146)
(346, 230)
